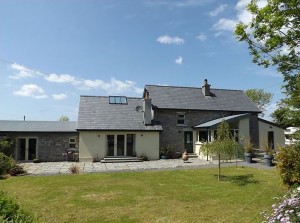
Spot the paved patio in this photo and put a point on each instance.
(52, 168)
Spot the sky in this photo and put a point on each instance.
(53, 51)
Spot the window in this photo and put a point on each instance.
(72, 143)
(180, 119)
(117, 100)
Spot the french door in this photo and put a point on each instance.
(27, 149)
(120, 145)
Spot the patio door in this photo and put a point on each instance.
(115, 145)
(120, 145)
(27, 149)
(188, 141)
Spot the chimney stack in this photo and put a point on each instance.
(206, 88)
(147, 108)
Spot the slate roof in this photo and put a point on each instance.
(37, 126)
(171, 97)
(214, 123)
(95, 113)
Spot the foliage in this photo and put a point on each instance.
(75, 169)
(287, 210)
(64, 118)
(168, 151)
(223, 146)
(267, 147)
(288, 164)
(285, 117)
(6, 145)
(6, 163)
(143, 157)
(248, 145)
(273, 38)
(16, 169)
(10, 211)
(260, 97)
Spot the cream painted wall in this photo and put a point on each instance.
(92, 143)
(263, 135)
(244, 129)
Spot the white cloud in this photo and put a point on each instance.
(242, 15)
(217, 10)
(31, 90)
(170, 40)
(59, 96)
(201, 37)
(62, 78)
(21, 72)
(114, 86)
(179, 60)
(225, 25)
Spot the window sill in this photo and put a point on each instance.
(181, 125)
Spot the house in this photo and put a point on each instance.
(180, 117)
(117, 126)
(43, 140)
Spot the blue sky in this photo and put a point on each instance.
(61, 49)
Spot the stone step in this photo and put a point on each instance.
(120, 159)
(193, 155)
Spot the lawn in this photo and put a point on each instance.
(157, 196)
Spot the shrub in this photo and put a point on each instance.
(74, 169)
(10, 211)
(16, 169)
(288, 164)
(287, 210)
(143, 157)
(6, 163)
(6, 145)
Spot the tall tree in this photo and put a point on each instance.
(273, 38)
(64, 118)
(260, 97)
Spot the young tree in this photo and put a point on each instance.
(273, 39)
(64, 118)
(260, 97)
(223, 145)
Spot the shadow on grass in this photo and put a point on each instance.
(240, 180)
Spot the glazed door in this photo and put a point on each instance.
(188, 141)
(271, 139)
(27, 149)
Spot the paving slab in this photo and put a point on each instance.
(52, 168)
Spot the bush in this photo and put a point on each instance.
(16, 169)
(287, 210)
(6, 145)
(10, 211)
(288, 164)
(74, 169)
(6, 163)
(143, 157)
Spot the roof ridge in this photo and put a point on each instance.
(191, 87)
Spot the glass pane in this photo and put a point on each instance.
(110, 145)
(112, 100)
(130, 145)
(202, 136)
(123, 100)
(120, 145)
(22, 148)
(32, 149)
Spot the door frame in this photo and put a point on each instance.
(26, 147)
(116, 144)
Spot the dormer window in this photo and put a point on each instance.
(117, 100)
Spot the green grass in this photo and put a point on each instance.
(158, 196)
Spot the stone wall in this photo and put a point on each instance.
(173, 134)
(50, 146)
